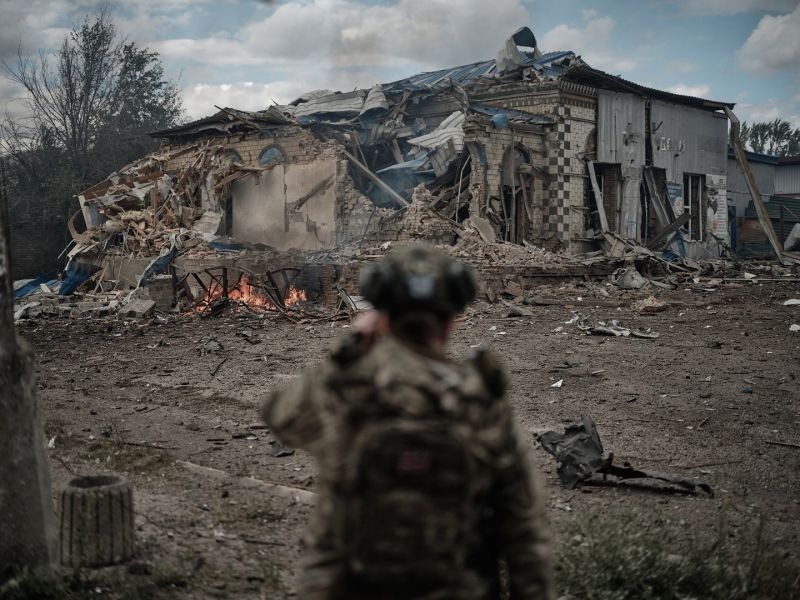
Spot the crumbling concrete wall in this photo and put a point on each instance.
(418, 222)
(289, 206)
(357, 217)
(307, 202)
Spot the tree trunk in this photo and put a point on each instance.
(96, 515)
(26, 508)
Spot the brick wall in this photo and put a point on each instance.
(557, 206)
(295, 143)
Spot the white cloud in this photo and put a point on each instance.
(199, 99)
(217, 51)
(768, 110)
(682, 66)
(701, 90)
(593, 42)
(34, 23)
(774, 44)
(418, 33)
(342, 44)
(732, 7)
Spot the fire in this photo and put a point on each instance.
(247, 292)
(295, 296)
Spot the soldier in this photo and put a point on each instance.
(424, 485)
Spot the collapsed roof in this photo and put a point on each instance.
(518, 60)
(153, 207)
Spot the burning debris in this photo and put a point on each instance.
(247, 293)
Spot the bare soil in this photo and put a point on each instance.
(705, 399)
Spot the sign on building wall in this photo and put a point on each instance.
(717, 208)
(675, 192)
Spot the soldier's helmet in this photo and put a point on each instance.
(418, 278)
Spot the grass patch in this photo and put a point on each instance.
(116, 456)
(246, 512)
(82, 585)
(615, 558)
(27, 585)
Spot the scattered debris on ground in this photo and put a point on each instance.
(580, 455)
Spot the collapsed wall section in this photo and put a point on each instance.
(305, 200)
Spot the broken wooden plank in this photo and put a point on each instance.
(240, 118)
(377, 180)
(601, 209)
(319, 187)
(662, 209)
(784, 444)
(662, 235)
(298, 495)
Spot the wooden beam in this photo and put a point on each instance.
(662, 235)
(763, 216)
(662, 209)
(598, 195)
(376, 180)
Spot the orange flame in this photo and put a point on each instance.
(295, 296)
(245, 292)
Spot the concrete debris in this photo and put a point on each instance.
(611, 328)
(792, 241)
(138, 309)
(20, 312)
(792, 302)
(518, 311)
(650, 305)
(629, 279)
(794, 327)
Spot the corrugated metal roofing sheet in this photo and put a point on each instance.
(586, 74)
(548, 64)
(225, 119)
(345, 104)
(513, 115)
(767, 159)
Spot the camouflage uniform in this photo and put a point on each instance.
(322, 414)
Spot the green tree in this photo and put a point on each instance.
(89, 107)
(143, 101)
(775, 137)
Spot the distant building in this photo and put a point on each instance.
(778, 182)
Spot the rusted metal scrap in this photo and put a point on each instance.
(579, 453)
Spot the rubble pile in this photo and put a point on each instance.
(472, 247)
(140, 208)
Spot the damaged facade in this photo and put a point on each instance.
(506, 143)
(530, 148)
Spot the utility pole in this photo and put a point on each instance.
(27, 522)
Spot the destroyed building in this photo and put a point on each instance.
(510, 143)
(530, 148)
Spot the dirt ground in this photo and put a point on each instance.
(705, 400)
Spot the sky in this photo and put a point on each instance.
(249, 54)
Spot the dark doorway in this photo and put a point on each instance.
(516, 194)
